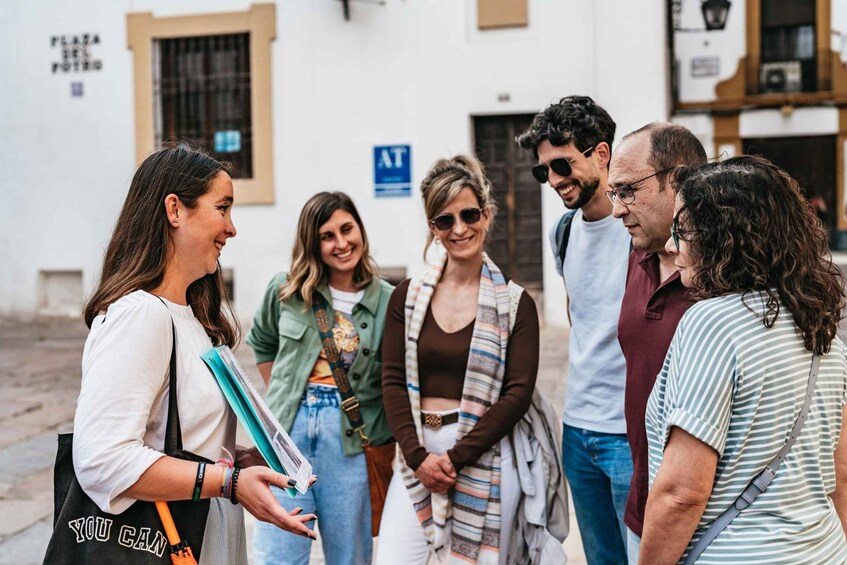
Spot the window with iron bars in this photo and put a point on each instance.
(201, 87)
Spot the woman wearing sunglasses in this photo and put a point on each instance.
(460, 360)
(736, 377)
(333, 277)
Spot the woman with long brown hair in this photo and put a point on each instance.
(161, 290)
(738, 373)
(334, 278)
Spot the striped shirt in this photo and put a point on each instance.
(738, 387)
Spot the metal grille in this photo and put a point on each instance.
(202, 93)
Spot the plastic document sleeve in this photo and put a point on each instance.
(263, 428)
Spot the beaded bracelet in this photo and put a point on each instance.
(226, 479)
(235, 471)
(226, 488)
(198, 482)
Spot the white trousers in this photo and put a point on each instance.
(401, 538)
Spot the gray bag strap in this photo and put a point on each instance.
(563, 234)
(759, 484)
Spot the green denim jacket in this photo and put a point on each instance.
(287, 334)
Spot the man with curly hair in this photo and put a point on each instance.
(641, 178)
(572, 143)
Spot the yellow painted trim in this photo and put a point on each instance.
(823, 31)
(754, 43)
(260, 22)
(731, 94)
(839, 80)
(840, 140)
(771, 100)
(734, 88)
(495, 14)
(727, 132)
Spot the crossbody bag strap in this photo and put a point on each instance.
(173, 431)
(761, 482)
(349, 402)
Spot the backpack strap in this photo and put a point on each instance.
(563, 233)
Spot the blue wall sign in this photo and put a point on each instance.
(392, 170)
(228, 141)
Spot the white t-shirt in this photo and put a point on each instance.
(595, 277)
(119, 427)
(344, 301)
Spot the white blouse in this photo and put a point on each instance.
(121, 415)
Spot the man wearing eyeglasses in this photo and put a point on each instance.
(640, 181)
(572, 142)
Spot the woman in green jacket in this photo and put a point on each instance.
(331, 267)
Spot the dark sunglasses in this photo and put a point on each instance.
(445, 222)
(561, 166)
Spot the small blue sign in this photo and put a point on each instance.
(392, 170)
(228, 141)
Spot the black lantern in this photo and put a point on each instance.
(346, 5)
(715, 13)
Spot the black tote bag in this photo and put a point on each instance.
(84, 534)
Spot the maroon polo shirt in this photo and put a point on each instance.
(650, 312)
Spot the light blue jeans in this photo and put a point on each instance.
(633, 546)
(340, 498)
(599, 468)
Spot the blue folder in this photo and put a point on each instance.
(244, 410)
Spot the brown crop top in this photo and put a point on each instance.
(442, 361)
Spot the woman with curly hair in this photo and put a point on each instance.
(735, 378)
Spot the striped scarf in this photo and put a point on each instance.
(468, 519)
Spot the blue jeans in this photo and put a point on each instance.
(340, 498)
(599, 468)
(633, 546)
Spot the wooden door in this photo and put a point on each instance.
(811, 161)
(517, 242)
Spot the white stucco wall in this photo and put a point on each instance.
(797, 123)
(408, 72)
(702, 126)
(839, 28)
(66, 162)
(727, 45)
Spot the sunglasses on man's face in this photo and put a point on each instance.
(445, 222)
(561, 166)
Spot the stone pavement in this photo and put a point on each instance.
(39, 384)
